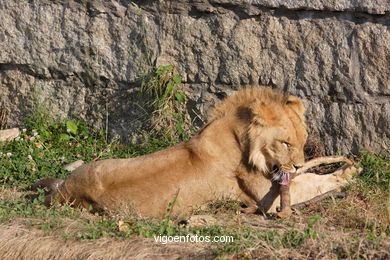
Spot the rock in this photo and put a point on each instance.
(9, 134)
(86, 59)
(372, 7)
(201, 221)
(73, 165)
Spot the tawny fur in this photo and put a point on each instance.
(249, 134)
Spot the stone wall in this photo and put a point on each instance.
(85, 59)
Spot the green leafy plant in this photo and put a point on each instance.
(167, 101)
(376, 171)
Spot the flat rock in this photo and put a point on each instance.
(9, 134)
(73, 165)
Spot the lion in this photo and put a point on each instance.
(250, 136)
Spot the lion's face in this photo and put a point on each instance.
(277, 135)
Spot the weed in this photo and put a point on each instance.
(376, 172)
(168, 117)
(43, 148)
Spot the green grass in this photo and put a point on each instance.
(376, 172)
(47, 145)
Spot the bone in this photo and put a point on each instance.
(284, 192)
(322, 160)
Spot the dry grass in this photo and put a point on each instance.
(7, 194)
(355, 211)
(333, 229)
(19, 242)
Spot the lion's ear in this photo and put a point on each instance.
(296, 104)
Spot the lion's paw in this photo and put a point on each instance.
(285, 213)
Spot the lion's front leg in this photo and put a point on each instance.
(285, 202)
(248, 194)
(258, 192)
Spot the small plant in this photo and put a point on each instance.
(45, 146)
(166, 227)
(376, 171)
(168, 103)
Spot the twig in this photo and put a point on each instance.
(332, 193)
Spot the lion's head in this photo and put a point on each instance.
(275, 131)
(277, 134)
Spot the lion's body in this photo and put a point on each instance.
(148, 183)
(231, 158)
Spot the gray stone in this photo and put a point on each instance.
(73, 165)
(9, 134)
(373, 7)
(86, 59)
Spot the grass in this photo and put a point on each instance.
(354, 227)
(365, 207)
(166, 103)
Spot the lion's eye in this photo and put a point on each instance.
(287, 144)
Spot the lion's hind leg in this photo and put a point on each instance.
(58, 195)
(48, 184)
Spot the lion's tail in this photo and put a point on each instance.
(49, 184)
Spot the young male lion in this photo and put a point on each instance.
(251, 134)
